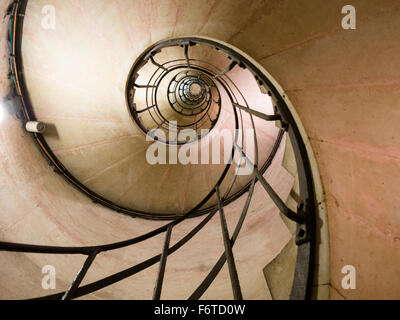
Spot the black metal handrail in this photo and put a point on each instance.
(304, 215)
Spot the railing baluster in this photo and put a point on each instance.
(186, 50)
(208, 115)
(157, 64)
(148, 108)
(229, 68)
(237, 293)
(258, 114)
(277, 200)
(221, 261)
(69, 294)
(163, 262)
(160, 125)
(299, 218)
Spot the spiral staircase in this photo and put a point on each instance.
(167, 229)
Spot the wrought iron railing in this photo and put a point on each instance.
(199, 110)
(304, 215)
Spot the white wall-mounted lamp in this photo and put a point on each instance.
(35, 126)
